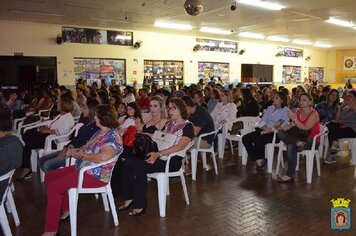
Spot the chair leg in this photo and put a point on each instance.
(193, 157)
(162, 191)
(42, 175)
(309, 166)
(105, 201)
(297, 167)
(185, 191)
(73, 201)
(244, 154)
(353, 150)
(221, 145)
(4, 222)
(214, 161)
(34, 160)
(12, 205)
(269, 154)
(317, 159)
(326, 150)
(231, 147)
(279, 159)
(203, 154)
(112, 205)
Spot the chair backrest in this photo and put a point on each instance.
(173, 154)
(8, 176)
(42, 112)
(324, 132)
(249, 123)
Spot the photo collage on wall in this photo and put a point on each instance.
(215, 45)
(289, 52)
(95, 69)
(95, 36)
(316, 74)
(291, 74)
(209, 70)
(163, 72)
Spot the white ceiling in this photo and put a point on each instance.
(302, 19)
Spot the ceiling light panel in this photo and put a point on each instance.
(342, 23)
(214, 30)
(251, 35)
(302, 42)
(168, 25)
(262, 4)
(278, 39)
(322, 45)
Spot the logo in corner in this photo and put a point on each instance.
(340, 214)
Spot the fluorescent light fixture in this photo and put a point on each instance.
(172, 25)
(214, 30)
(342, 23)
(251, 35)
(322, 45)
(262, 4)
(36, 13)
(302, 42)
(278, 39)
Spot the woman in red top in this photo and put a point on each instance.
(306, 119)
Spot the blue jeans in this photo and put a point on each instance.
(51, 162)
(291, 143)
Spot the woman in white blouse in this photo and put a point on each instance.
(225, 110)
(35, 139)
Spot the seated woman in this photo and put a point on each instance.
(57, 159)
(136, 170)
(133, 117)
(327, 109)
(344, 125)
(275, 117)
(305, 120)
(35, 139)
(249, 105)
(225, 110)
(44, 102)
(213, 100)
(103, 146)
(121, 112)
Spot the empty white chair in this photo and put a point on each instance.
(310, 154)
(249, 123)
(195, 152)
(105, 191)
(8, 200)
(163, 183)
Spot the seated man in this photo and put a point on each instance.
(202, 121)
(10, 148)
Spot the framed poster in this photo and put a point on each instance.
(289, 52)
(96, 69)
(213, 70)
(291, 74)
(316, 74)
(95, 36)
(216, 45)
(163, 72)
(350, 63)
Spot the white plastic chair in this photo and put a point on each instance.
(195, 151)
(163, 183)
(58, 140)
(8, 200)
(269, 152)
(105, 191)
(352, 144)
(249, 122)
(310, 154)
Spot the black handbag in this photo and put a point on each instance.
(302, 135)
(143, 145)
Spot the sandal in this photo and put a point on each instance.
(137, 213)
(261, 167)
(124, 208)
(284, 179)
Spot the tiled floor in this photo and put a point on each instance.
(238, 201)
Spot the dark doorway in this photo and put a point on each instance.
(27, 72)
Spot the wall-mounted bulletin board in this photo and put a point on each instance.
(163, 72)
(96, 69)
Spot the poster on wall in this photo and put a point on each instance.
(95, 36)
(95, 69)
(291, 74)
(213, 70)
(215, 45)
(350, 63)
(162, 72)
(316, 74)
(289, 52)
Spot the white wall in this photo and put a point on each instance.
(35, 39)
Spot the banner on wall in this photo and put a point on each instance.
(95, 69)
(350, 63)
(289, 52)
(213, 70)
(216, 45)
(95, 36)
(316, 74)
(291, 74)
